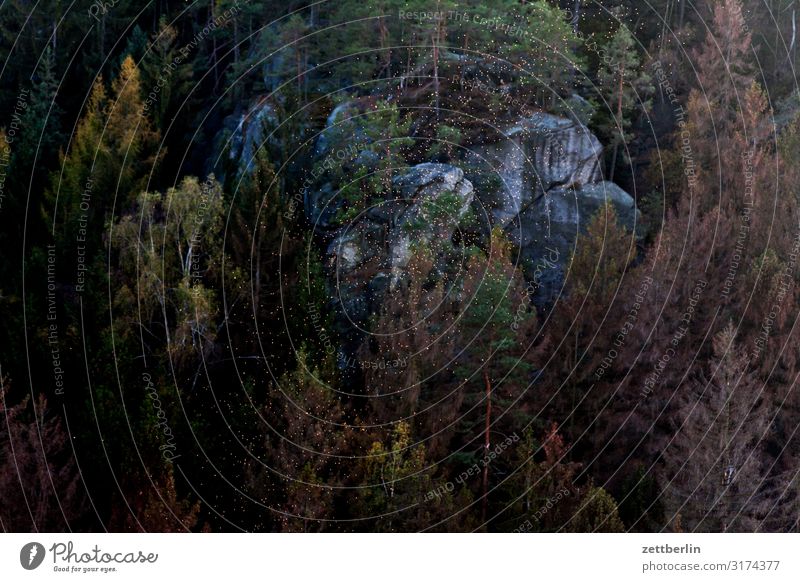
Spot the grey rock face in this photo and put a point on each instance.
(321, 205)
(368, 256)
(563, 152)
(564, 212)
(546, 232)
(438, 197)
(427, 203)
(341, 128)
(536, 155)
(549, 185)
(249, 134)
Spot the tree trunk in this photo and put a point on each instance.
(436, 68)
(214, 48)
(576, 15)
(384, 37)
(619, 125)
(486, 444)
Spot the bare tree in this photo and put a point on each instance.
(38, 475)
(714, 469)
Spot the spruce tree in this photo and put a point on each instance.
(714, 471)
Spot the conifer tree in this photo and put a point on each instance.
(714, 473)
(495, 323)
(598, 513)
(625, 87)
(715, 108)
(131, 140)
(41, 485)
(595, 276)
(166, 75)
(155, 507)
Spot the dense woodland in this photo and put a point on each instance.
(173, 350)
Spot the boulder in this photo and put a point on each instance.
(563, 152)
(427, 203)
(426, 180)
(546, 232)
(356, 244)
(249, 133)
(438, 198)
(535, 155)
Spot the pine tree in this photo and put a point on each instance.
(368, 41)
(714, 112)
(432, 33)
(166, 75)
(385, 133)
(598, 513)
(624, 87)
(596, 274)
(541, 47)
(496, 321)
(295, 45)
(112, 154)
(81, 166)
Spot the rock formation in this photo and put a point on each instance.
(548, 185)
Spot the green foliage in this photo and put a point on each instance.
(385, 134)
(625, 88)
(437, 213)
(545, 49)
(170, 252)
(223, 297)
(641, 507)
(448, 138)
(492, 371)
(601, 256)
(397, 478)
(112, 153)
(598, 513)
(166, 75)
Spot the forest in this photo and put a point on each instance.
(399, 266)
